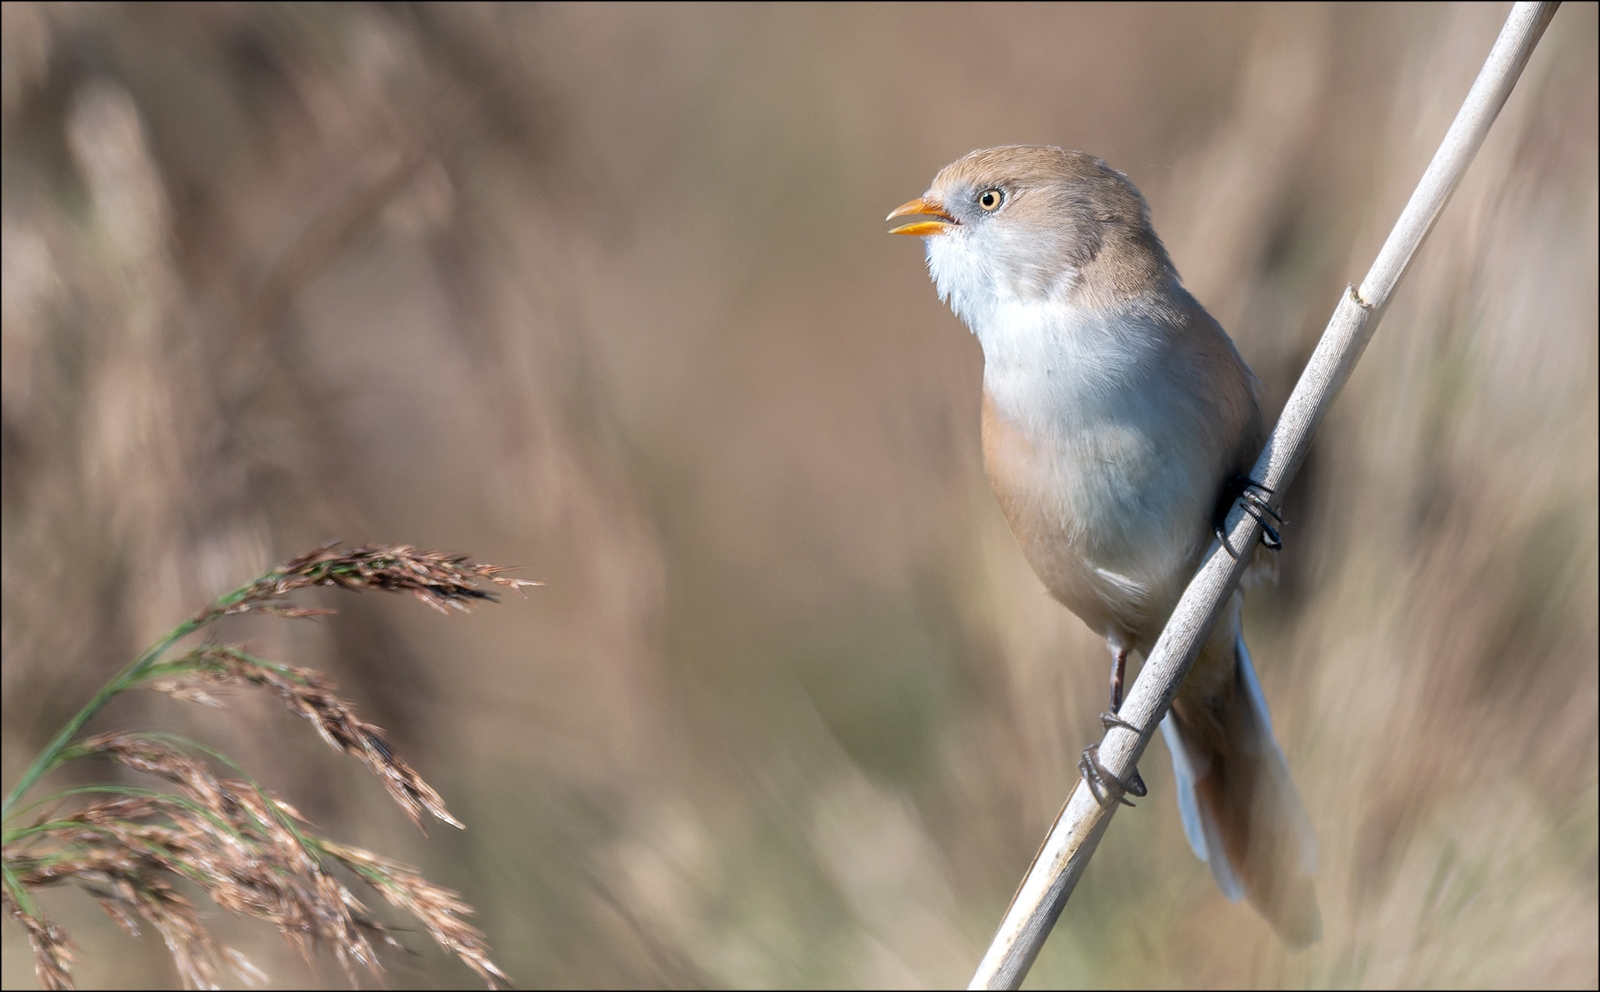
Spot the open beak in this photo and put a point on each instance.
(919, 207)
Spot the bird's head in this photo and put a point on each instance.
(1034, 224)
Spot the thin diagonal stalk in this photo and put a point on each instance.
(51, 755)
(1083, 819)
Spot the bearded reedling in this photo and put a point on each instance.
(1118, 424)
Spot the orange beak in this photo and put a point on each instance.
(922, 208)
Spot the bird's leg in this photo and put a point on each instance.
(1246, 490)
(1119, 667)
(1094, 773)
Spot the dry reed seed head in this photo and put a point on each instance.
(117, 909)
(246, 969)
(155, 757)
(125, 886)
(195, 952)
(53, 950)
(216, 826)
(123, 860)
(311, 694)
(193, 949)
(243, 804)
(231, 838)
(190, 689)
(440, 909)
(442, 580)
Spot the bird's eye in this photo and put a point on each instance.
(990, 199)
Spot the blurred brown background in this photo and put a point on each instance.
(604, 292)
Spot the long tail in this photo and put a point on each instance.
(1240, 809)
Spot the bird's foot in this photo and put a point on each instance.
(1253, 495)
(1104, 786)
(1110, 719)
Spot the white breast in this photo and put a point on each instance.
(1121, 476)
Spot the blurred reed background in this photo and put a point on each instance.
(603, 292)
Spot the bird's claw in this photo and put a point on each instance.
(1248, 492)
(1110, 719)
(1105, 786)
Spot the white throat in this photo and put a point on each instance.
(1049, 362)
(976, 276)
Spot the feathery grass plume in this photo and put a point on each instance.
(311, 695)
(443, 581)
(52, 950)
(439, 909)
(244, 847)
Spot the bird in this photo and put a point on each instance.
(1119, 423)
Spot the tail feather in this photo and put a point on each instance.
(1240, 811)
(1200, 830)
(1293, 811)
